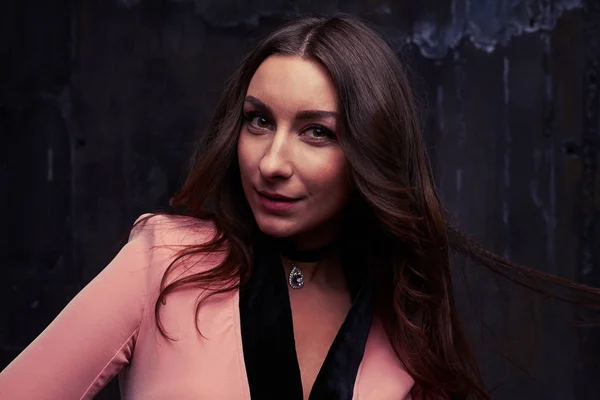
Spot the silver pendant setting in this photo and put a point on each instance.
(296, 277)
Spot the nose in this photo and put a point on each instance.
(275, 163)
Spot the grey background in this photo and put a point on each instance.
(101, 101)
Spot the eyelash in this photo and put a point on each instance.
(248, 117)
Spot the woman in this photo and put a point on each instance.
(323, 271)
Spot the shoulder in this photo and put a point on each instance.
(172, 230)
(174, 239)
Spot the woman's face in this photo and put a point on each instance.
(293, 171)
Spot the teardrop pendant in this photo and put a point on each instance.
(296, 277)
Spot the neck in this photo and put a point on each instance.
(311, 255)
(315, 238)
(326, 272)
(315, 253)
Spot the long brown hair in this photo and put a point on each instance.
(403, 228)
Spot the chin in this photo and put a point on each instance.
(277, 228)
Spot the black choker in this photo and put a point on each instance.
(296, 277)
(312, 255)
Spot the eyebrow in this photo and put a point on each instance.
(300, 115)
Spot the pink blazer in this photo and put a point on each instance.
(109, 329)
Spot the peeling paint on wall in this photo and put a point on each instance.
(435, 29)
(485, 24)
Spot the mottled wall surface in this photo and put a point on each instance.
(100, 103)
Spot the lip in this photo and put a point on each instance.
(276, 196)
(276, 202)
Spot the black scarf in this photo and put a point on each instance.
(268, 333)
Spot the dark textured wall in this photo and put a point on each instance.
(100, 103)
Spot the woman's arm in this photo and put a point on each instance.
(92, 338)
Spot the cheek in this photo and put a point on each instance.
(329, 179)
(244, 153)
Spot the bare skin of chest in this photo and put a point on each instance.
(317, 319)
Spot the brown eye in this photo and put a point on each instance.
(257, 121)
(319, 133)
(261, 122)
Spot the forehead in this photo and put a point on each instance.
(292, 83)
